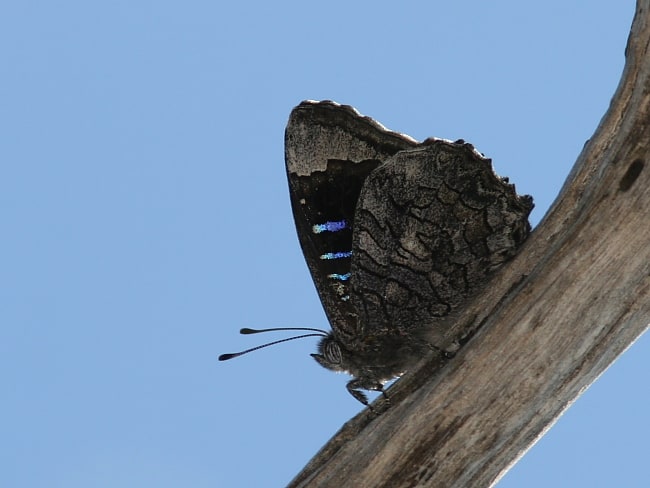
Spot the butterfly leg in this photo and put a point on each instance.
(356, 385)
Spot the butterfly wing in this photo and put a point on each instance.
(330, 150)
(431, 224)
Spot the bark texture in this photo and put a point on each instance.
(549, 324)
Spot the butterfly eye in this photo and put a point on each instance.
(333, 352)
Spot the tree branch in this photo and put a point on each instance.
(551, 322)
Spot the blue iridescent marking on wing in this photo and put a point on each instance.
(341, 277)
(330, 226)
(336, 255)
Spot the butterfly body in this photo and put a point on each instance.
(397, 234)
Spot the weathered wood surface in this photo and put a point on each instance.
(551, 322)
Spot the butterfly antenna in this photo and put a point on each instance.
(225, 357)
(246, 330)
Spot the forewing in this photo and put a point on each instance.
(330, 150)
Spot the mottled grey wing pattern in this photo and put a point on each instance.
(431, 224)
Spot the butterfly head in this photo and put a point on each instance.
(371, 357)
(330, 355)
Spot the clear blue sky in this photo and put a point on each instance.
(145, 219)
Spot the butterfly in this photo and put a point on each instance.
(396, 234)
